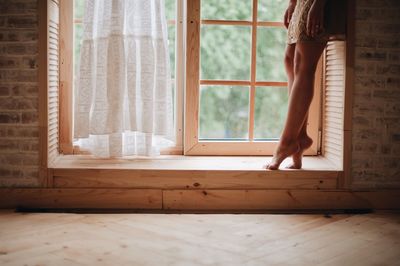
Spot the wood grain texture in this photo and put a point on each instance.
(179, 162)
(192, 75)
(253, 68)
(198, 199)
(66, 76)
(192, 179)
(192, 239)
(81, 198)
(278, 199)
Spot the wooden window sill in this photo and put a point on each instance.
(190, 172)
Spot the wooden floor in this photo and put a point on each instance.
(198, 239)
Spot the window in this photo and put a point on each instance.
(174, 15)
(236, 89)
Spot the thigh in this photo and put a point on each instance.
(307, 55)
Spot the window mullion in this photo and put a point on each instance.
(253, 69)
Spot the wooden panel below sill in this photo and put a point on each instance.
(194, 179)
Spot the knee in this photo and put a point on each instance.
(289, 61)
(303, 68)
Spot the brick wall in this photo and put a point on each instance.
(376, 106)
(18, 93)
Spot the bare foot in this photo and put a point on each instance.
(281, 153)
(305, 143)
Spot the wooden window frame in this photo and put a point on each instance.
(192, 145)
(65, 105)
(185, 131)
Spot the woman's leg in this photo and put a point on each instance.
(306, 58)
(304, 139)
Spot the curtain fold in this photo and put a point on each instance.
(123, 96)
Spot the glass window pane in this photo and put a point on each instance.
(224, 112)
(272, 10)
(225, 52)
(226, 9)
(171, 47)
(170, 9)
(270, 112)
(79, 6)
(271, 45)
(78, 33)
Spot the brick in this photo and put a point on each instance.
(9, 62)
(4, 91)
(390, 42)
(9, 145)
(366, 41)
(393, 83)
(3, 21)
(22, 22)
(24, 90)
(7, 118)
(27, 76)
(27, 132)
(394, 57)
(386, 162)
(367, 134)
(361, 106)
(9, 36)
(388, 69)
(395, 149)
(19, 104)
(363, 27)
(5, 171)
(386, 28)
(365, 69)
(368, 82)
(29, 62)
(366, 13)
(362, 162)
(392, 109)
(396, 137)
(19, 159)
(18, 7)
(366, 147)
(28, 145)
(370, 54)
(22, 49)
(386, 149)
(389, 95)
(29, 117)
(361, 121)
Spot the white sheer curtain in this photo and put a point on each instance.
(123, 96)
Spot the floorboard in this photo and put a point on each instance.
(199, 239)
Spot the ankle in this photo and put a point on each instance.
(285, 142)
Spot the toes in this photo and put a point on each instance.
(293, 166)
(273, 166)
(270, 166)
